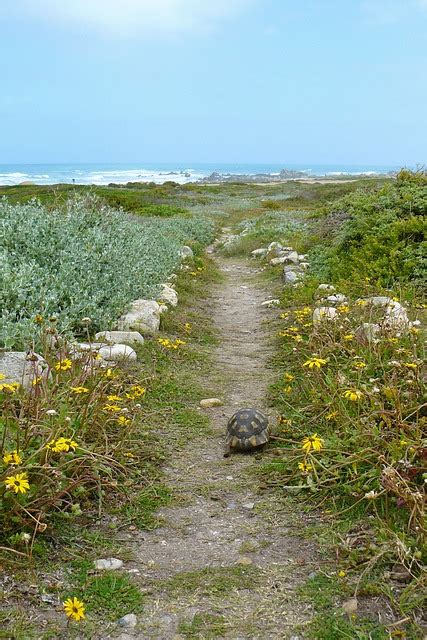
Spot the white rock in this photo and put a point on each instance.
(326, 287)
(22, 367)
(143, 316)
(186, 253)
(304, 265)
(84, 347)
(275, 261)
(292, 267)
(168, 295)
(291, 277)
(110, 564)
(377, 301)
(270, 303)
(302, 257)
(368, 331)
(291, 257)
(129, 620)
(207, 403)
(258, 253)
(118, 337)
(117, 352)
(322, 314)
(337, 298)
(396, 316)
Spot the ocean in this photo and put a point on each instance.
(101, 174)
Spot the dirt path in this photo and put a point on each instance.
(226, 563)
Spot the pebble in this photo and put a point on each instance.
(248, 505)
(110, 564)
(129, 620)
(207, 403)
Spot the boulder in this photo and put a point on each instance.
(119, 337)
(186, 253)
(274, 250)
(322, 314)
(168, 295)
(293, 267)
(396, 316)
(258, 253)
(22, 367)
(117, 352)
(143, 316)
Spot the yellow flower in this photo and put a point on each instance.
(287, 389)
(284, 315)
(61, 445)
(63, 365)
(305, 467)
(123, 421)
(361, 303)
(114, 398)
(314, 363)
(2, 376)
(187, 327)
(12, 458)
(75, 609)
(112, 408)
(38, 319)
(109, 373)
(332, 415)
(348, 337)
(410, 365)
(359, 364)
(314, 442)
(193, 273)
(136, 391)
(79, 390)
(343, 308)
(128, 454)
(289, 377)
(342, 574)
(353, 394)
(286, 421)
(297, 338)
(9, 388)
(38, 380)
(18, 483)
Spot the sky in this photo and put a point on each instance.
(266, 81)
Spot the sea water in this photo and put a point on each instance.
(102, 174)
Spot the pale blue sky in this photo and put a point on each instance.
(316, 81)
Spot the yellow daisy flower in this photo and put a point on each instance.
(12, 458)
(314, 442)
(74, 608)
(314, 363)
(353, 394)
(17, 483)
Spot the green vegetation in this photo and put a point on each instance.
(204, 626)
(378, 233)
(83, 259)
(213, 580)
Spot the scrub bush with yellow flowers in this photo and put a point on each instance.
(352, 432)
(64, 442)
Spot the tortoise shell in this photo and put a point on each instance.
(246, 429)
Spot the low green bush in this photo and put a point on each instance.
(82, 259)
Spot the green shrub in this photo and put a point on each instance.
(377, 233)
(84, 259)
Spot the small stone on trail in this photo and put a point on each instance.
(207, 403)
(270, 303)
(350, 606)
(129, 620)
(248, 505)
(245, 561)
(108, 564)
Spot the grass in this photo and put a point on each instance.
(204, 625)
(213, 581)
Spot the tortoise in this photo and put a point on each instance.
(247, 429)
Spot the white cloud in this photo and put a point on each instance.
(131, 16)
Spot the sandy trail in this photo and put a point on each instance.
(227, 561)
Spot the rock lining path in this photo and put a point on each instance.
(242, 551)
